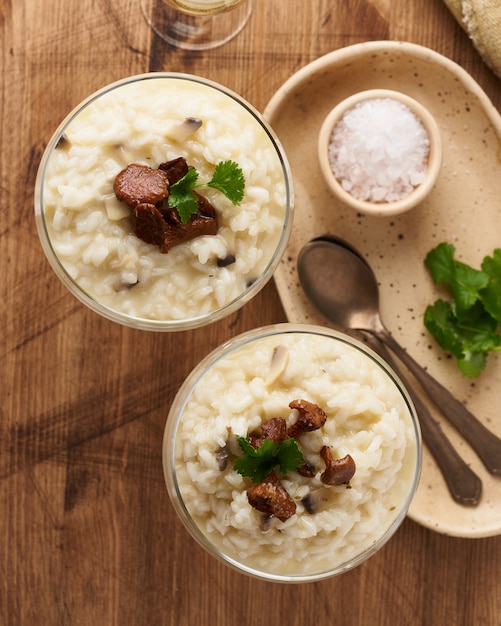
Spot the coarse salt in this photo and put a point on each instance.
(379, 150)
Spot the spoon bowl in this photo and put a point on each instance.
(340, 284)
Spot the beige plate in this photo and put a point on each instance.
(463, 209)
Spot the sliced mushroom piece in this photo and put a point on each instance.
(181, 130)
(140, 184)
(311, 417)
(317, 500)
(115, 210)
(337, 471)
(274, 429)
(175, 169)
(278, 364)
(149, 224)
(307, 469)
(271, 498)
(205, 222)
(222, 456)
(232, 442)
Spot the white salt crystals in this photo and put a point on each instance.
(379, 150)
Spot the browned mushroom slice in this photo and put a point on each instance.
(140, 184)
(307, 469)
(149, 224)
(271, 498)
(175, 169)
(275, 429)
(205, 208)
(204, 222)
(337, 471)
(311, 417)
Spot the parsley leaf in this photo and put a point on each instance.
(439, 320)
(467, 326)
(491, 294)
(227, 178)
(257, 463)
(464, 281)
(181, 195)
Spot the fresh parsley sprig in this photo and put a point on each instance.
(257, 463)
(466, 326)
(227, 178)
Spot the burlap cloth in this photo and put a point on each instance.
(481, 19)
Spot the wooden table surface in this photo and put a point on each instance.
(89, 536)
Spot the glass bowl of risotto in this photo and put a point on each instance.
(164, 201)
(292, 453)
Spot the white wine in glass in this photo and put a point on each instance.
(197, 24)
(204, 7)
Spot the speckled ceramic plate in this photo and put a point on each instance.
(464, 209)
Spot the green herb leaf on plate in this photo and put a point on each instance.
(465, 281)
(491, 294)
(467, 326)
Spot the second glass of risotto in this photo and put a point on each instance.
(164, 201)
(292, 453)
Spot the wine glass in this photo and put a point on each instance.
(197, 24)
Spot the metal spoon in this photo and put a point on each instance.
(344, 288)
(464, 485)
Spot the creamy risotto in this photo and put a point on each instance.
(143, 122)
(367, 418)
